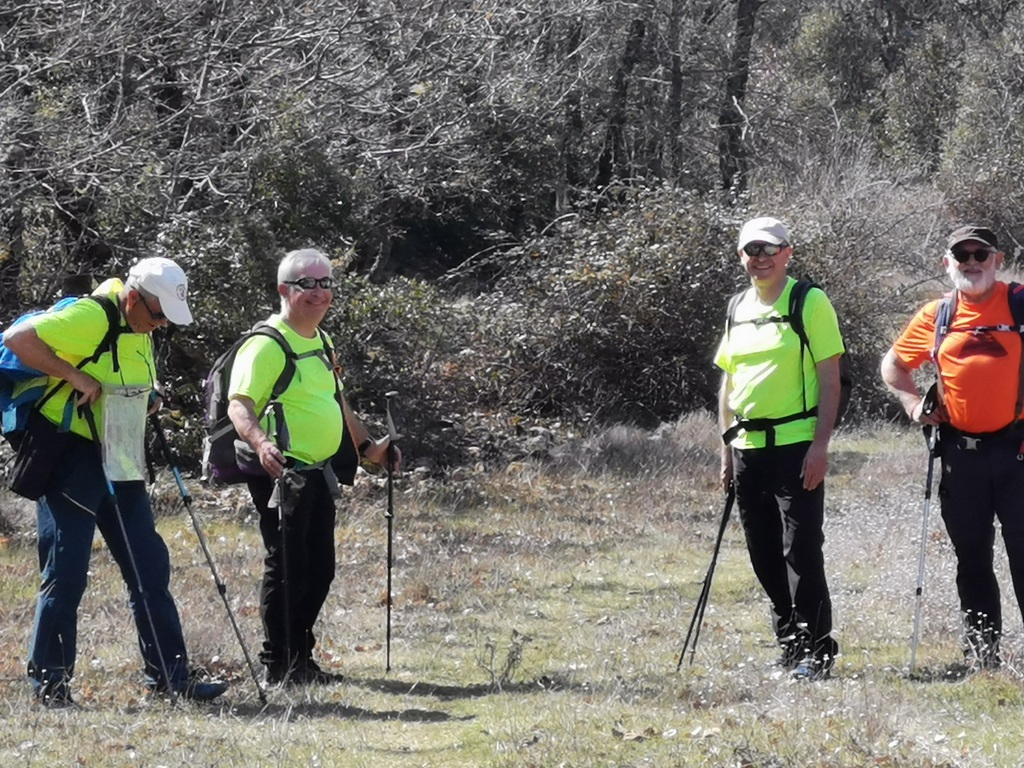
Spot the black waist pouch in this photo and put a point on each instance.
(42, 450)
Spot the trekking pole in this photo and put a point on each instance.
(186, 497)
(931, 436)
(289, 662)
(91, 421)
(702, 601)
(393, 436)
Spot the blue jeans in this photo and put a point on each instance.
(68, 514)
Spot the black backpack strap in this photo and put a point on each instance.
(797, 300)
(284, 379)
(109, 340)
(944, 312)
(107, 344)
(765, 425)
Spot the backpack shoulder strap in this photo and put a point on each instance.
(730, 310)
(797, 300)
(109, 340)
(263, 328)
(107, 344)
(943, 319)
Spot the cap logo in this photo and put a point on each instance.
(181, 291)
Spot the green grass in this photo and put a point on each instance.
(539, 616)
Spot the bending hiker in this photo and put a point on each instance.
(777, 408)
(113, 390)
(292, 438)
(973, 339)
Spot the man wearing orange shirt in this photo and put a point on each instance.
(980, 432)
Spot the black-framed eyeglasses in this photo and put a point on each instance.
(963, 254)
(157, 316)
(766, 249)
(309, 283)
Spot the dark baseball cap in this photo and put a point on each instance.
(972, 232)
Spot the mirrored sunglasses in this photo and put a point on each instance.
(309, 283)
(767, 249)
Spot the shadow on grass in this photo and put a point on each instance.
(946, 673)
(312, 709)
(541, 684)
(276, 708)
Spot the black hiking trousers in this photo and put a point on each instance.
(982, 479)
(783, 525)
(297, 572)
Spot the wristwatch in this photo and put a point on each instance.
(364, 446)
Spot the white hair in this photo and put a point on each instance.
(295, 262)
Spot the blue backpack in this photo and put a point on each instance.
(24, 389)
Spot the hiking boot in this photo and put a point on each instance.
(812, 669)
(311, 672)
(306, 673)
(790, 657)
(55, 695)
(194, 688)
(203, 690)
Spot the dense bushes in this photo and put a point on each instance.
(541, 176)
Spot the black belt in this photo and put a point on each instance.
(765, 425)
(980, 441)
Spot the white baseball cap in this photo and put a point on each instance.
(166, 281)
(763, 230)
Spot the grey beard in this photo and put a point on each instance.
(963, 284)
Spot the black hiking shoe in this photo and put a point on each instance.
(306, 673)
(311, 672)
(55, 695)
(791, 656)
(194, 689)
(813, 669)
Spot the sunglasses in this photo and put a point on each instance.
(309, 283)
(157, 316)
(962, 255)
(767, 249)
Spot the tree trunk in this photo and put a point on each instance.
(732, 154)
(612, 160)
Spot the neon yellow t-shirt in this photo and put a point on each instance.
(73, 334)
(310, 411)
(763, 362)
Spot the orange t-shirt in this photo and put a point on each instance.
(979, 370)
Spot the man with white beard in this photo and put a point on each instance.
(981, 436)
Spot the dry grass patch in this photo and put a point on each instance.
(539, 613)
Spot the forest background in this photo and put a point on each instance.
(532, 205)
